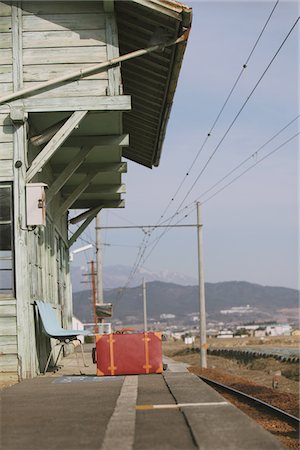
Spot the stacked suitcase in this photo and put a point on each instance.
(128, 354)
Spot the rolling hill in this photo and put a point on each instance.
(170, 298)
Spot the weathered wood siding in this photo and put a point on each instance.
(6, 147)
(39, 42)
(8, 339)
(6, 77)
(6, 85)
(60, 37)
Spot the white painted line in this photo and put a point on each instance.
(120, 430)
(178, 405)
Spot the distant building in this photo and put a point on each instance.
(238, 310)
(223, 334)
(273, 330)
(296, 332)
(167, 316)
(78, 325)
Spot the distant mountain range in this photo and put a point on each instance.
(117, 275)
(171, 298)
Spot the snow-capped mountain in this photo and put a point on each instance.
(117, 276)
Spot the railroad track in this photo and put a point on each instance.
(282, 415)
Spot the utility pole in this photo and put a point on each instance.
(93, 276)
(145, 306)
(202, 316)
(99, 262)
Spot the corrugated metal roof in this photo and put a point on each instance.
(150, 79)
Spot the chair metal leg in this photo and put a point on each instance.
(62, 344)
(80, 343)
(82, 352)
(49, 357)
(48, 360)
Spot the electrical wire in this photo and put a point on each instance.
(239, 112)
(231, 125)
(216, 120)
(239, 165)
(251, 167)
(245, 65)
(155, 243)
(145, 244)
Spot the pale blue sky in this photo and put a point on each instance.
(250, 229)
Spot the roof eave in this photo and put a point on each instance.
(178, 59)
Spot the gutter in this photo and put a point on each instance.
(91, 70)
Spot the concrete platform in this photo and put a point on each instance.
(73, 411)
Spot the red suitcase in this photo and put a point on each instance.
(128, 354)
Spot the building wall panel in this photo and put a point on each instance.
(5, 54)
(5, 9)
(6, 152)
(6, 134)
(38, 73)
(6, 40)
(8, 326)
(5, 73)
(6, 170)
(56, 39)
(80, 88)
(70, 55)
(8, 344)
(62, 37)
(5, 24)
(59, 22)
(8, 363)
(43, 7)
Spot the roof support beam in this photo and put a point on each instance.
(91, 214)
(99, 189)
(76, 193)
(67, 173)
(93, 203)
(102, 103)
(88, 167)
(54, 144)
(97, 141)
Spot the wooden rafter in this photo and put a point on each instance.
(54, 144)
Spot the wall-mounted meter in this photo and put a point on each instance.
(36, 204)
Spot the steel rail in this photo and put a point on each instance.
(293, 420)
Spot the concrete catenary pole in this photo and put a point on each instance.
(93, 275)
(99, 262)
(202, 316)
(145, 306)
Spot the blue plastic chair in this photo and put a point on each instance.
(52, 329)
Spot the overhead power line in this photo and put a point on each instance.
(252, 166)
(235, 118)
(192, 205)
(239, 112)
(145, 242)
(255, 153)
(245, 65)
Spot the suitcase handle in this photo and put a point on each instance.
(94, 355)
(124, 330)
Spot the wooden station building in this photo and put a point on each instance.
(72, 107)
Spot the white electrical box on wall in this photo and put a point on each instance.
(36, 204)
